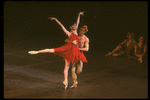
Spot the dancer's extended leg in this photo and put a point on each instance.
(118, 54)
(115, 50)
(42, 51)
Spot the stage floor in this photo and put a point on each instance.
(40, 76)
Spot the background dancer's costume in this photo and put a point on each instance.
(140, 50)
(71, 52)
(128, 50)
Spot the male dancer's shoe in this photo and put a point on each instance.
(74, 84)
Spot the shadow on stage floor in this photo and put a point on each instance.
(41, 76)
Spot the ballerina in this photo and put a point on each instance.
(69, 51)
(83, 46)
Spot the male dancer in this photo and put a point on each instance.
(83, 46)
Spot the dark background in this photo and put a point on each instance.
(27, 24)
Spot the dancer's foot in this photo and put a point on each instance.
(78, 71)
(33, 52)
(109, 53)
(140, 59)
(66, 84)
(115, 54)
(74, 85)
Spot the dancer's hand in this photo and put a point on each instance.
(67, 40)
(81, 13)
(74, 42)
(33, 52)
(52, 18)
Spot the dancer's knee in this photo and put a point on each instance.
(66, 68)
(73, 70)
(118, 47)
(50, 50)
(80, 66)
(115, 54)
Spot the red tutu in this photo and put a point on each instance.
(82, 57)
(70, 52)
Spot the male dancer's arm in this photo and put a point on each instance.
(86, 47)
(67, 40)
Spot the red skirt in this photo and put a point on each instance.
(82, 57)
(70, 52)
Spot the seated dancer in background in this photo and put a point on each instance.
(140, 49)
(69, 51)
(83, 46)
(125, 47)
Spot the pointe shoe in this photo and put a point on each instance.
(74, 85)
(66, 84)
(32, 52)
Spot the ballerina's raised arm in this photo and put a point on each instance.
(63, 28)
(78, 20)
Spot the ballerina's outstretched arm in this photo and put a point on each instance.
(51, 50)
(63, 28)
